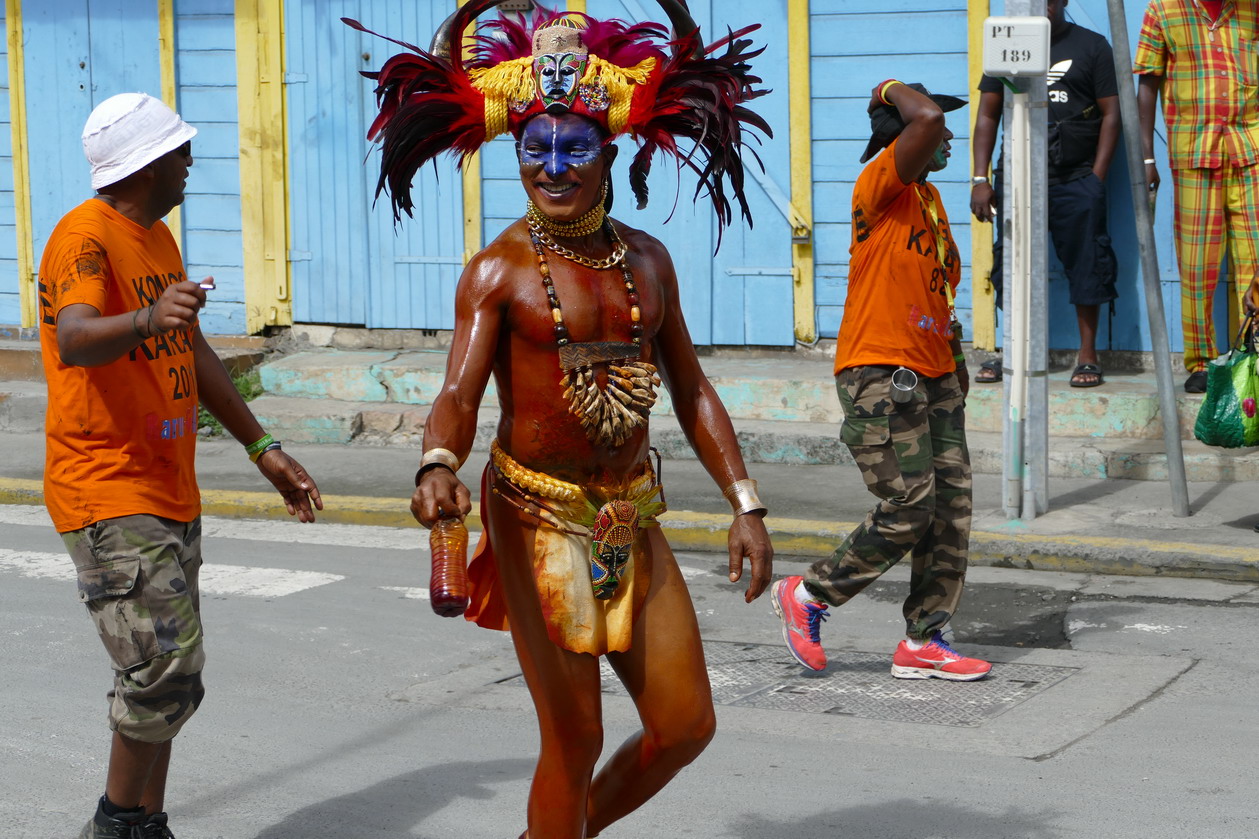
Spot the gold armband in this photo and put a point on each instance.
(743, 498)
(437, 457)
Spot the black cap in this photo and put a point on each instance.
(886, 123)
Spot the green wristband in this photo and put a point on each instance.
(256, 447)
(959, 359)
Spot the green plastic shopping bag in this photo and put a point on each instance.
(1229, 416)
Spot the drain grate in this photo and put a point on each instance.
(858, 684)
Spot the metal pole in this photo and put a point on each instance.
(1149, 261)
(1018, 211)
(1036, 422)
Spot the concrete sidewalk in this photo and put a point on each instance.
(1110, 526)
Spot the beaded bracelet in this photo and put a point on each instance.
(257, 446)
(272, 446)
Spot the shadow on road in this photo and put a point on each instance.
(904, 819)
(395, 806)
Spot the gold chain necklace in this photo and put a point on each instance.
(615, 258)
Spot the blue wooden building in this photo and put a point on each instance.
(281, 208)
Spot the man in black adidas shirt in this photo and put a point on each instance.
(1083, 134)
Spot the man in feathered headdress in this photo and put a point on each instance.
(578, 318)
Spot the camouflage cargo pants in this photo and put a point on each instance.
(913, 457)
(138, 579)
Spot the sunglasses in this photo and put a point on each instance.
(185, 150)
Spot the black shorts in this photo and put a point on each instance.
(1077, 228)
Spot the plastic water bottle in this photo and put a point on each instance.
(448, 588)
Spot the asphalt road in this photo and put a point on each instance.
(339, 706)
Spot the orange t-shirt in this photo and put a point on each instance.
(122, 436)
(897, 310)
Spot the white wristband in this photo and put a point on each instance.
(1149, 161)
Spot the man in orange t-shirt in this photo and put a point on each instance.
(902, 383)
(127, 365)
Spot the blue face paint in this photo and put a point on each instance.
(558, 145)
(938, 159)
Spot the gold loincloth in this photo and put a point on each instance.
(575, 619)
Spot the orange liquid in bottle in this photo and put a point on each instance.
(448, 589)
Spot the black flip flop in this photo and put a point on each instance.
(990, 371)
(1087, 370)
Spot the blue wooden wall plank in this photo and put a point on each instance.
(193, 8)
(214, 175)
(10, 303)
(203, 67)
(326, 180)
(205, 71)
(8, 251)
(851, 35)
(822, 8)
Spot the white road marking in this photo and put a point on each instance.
(216, 580)
(693, 573)
(291, 532)
(410, 593)
(1160, 629)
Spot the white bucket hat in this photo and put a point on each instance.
(127, 132)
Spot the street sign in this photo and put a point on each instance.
(1016, 46)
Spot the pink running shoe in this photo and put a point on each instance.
(802, 624)
(937, 660)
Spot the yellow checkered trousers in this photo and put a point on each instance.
(1213, 206)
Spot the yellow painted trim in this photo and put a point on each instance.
(264, 204)
(801, 104)
(473, 210)
(577, 6)
(166, 60)
(21, 161)
(983, 301)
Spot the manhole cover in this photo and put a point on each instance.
(857, 684)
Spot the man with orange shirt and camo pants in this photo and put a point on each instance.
(902, 383)
(126, 365)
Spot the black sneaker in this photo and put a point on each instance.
(1197, 382)
(155, 828)
(126, 825)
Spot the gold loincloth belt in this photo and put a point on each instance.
(576, 619)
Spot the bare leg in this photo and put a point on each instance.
(1086, 318)
(665, 675)
(137, 774)
(565, 687)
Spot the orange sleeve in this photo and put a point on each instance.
(80, 272)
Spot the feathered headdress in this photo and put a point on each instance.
(618, 74)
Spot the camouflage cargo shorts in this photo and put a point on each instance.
(138, 579)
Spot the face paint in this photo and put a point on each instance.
(557, 145)
(938, 160)
(557, 77)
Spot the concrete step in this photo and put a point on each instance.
(763, 441)
(787, 388)
(22, 405)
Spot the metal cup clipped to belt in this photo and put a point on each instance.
(904, 381)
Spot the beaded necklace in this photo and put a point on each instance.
(609, 413)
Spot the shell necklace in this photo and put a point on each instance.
(611, 413)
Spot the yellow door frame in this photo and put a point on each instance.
(983, 301)
(166, 61)
(800, 96)
(21, 161)
(263, 124)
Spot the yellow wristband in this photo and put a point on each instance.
(883, 90)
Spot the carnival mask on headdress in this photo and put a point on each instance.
(617, 74)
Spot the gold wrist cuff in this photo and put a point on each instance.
(437, 457)
(743, 498)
